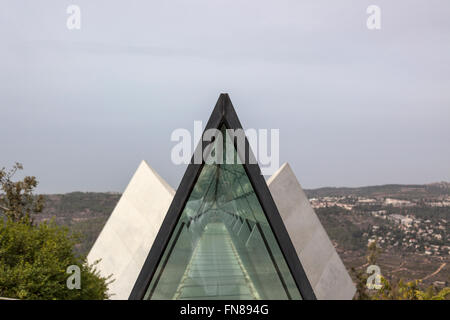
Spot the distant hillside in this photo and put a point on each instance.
(83, 212)
(399, 191)
(87, 212)
(349, 229)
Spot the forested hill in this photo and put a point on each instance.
(87, 212)
(351, 217)
(399, 191)
(83, 212)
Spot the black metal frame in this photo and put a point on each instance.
(223, 113)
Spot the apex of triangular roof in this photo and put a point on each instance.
(285, 166)
(145, 166)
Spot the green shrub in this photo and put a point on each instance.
(34, 260)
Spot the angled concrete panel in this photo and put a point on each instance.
(128, 235)
(324, 269)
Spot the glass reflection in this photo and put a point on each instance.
(223, 246)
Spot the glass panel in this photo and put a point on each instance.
(223, 246)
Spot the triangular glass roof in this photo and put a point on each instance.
(218, 240)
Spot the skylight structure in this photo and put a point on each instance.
(223, 237)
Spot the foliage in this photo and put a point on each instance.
(373, 251)
(34, 257)
(409, 291)
(34, 260)
(395, 290)
(17, 201)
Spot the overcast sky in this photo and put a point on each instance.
(81, 108)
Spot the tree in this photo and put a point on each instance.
(34, 258)
(17, 201)
(395, 290)
(362, 293)
(410, 290)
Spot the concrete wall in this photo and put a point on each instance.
(324, 269)
(127, 237)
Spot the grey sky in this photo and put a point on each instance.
(80, 109)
